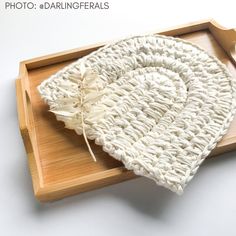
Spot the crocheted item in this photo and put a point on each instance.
(158, 104)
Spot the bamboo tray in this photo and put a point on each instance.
(59, 161)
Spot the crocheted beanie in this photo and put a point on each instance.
(158, 104)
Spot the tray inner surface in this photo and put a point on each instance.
(63, 154)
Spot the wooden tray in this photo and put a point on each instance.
(59, 161)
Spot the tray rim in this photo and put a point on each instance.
(225, 37)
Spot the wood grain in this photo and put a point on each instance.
(59, 161)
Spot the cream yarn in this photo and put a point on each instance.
(158, 104)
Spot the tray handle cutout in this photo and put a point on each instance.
(226, 38)
(22, 117)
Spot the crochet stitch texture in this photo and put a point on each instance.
(158, 104)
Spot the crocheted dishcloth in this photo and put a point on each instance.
(162, 104)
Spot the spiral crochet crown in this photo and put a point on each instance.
(158, 104)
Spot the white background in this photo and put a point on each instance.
(136, 207)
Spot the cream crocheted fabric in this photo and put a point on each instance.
(158, 104)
